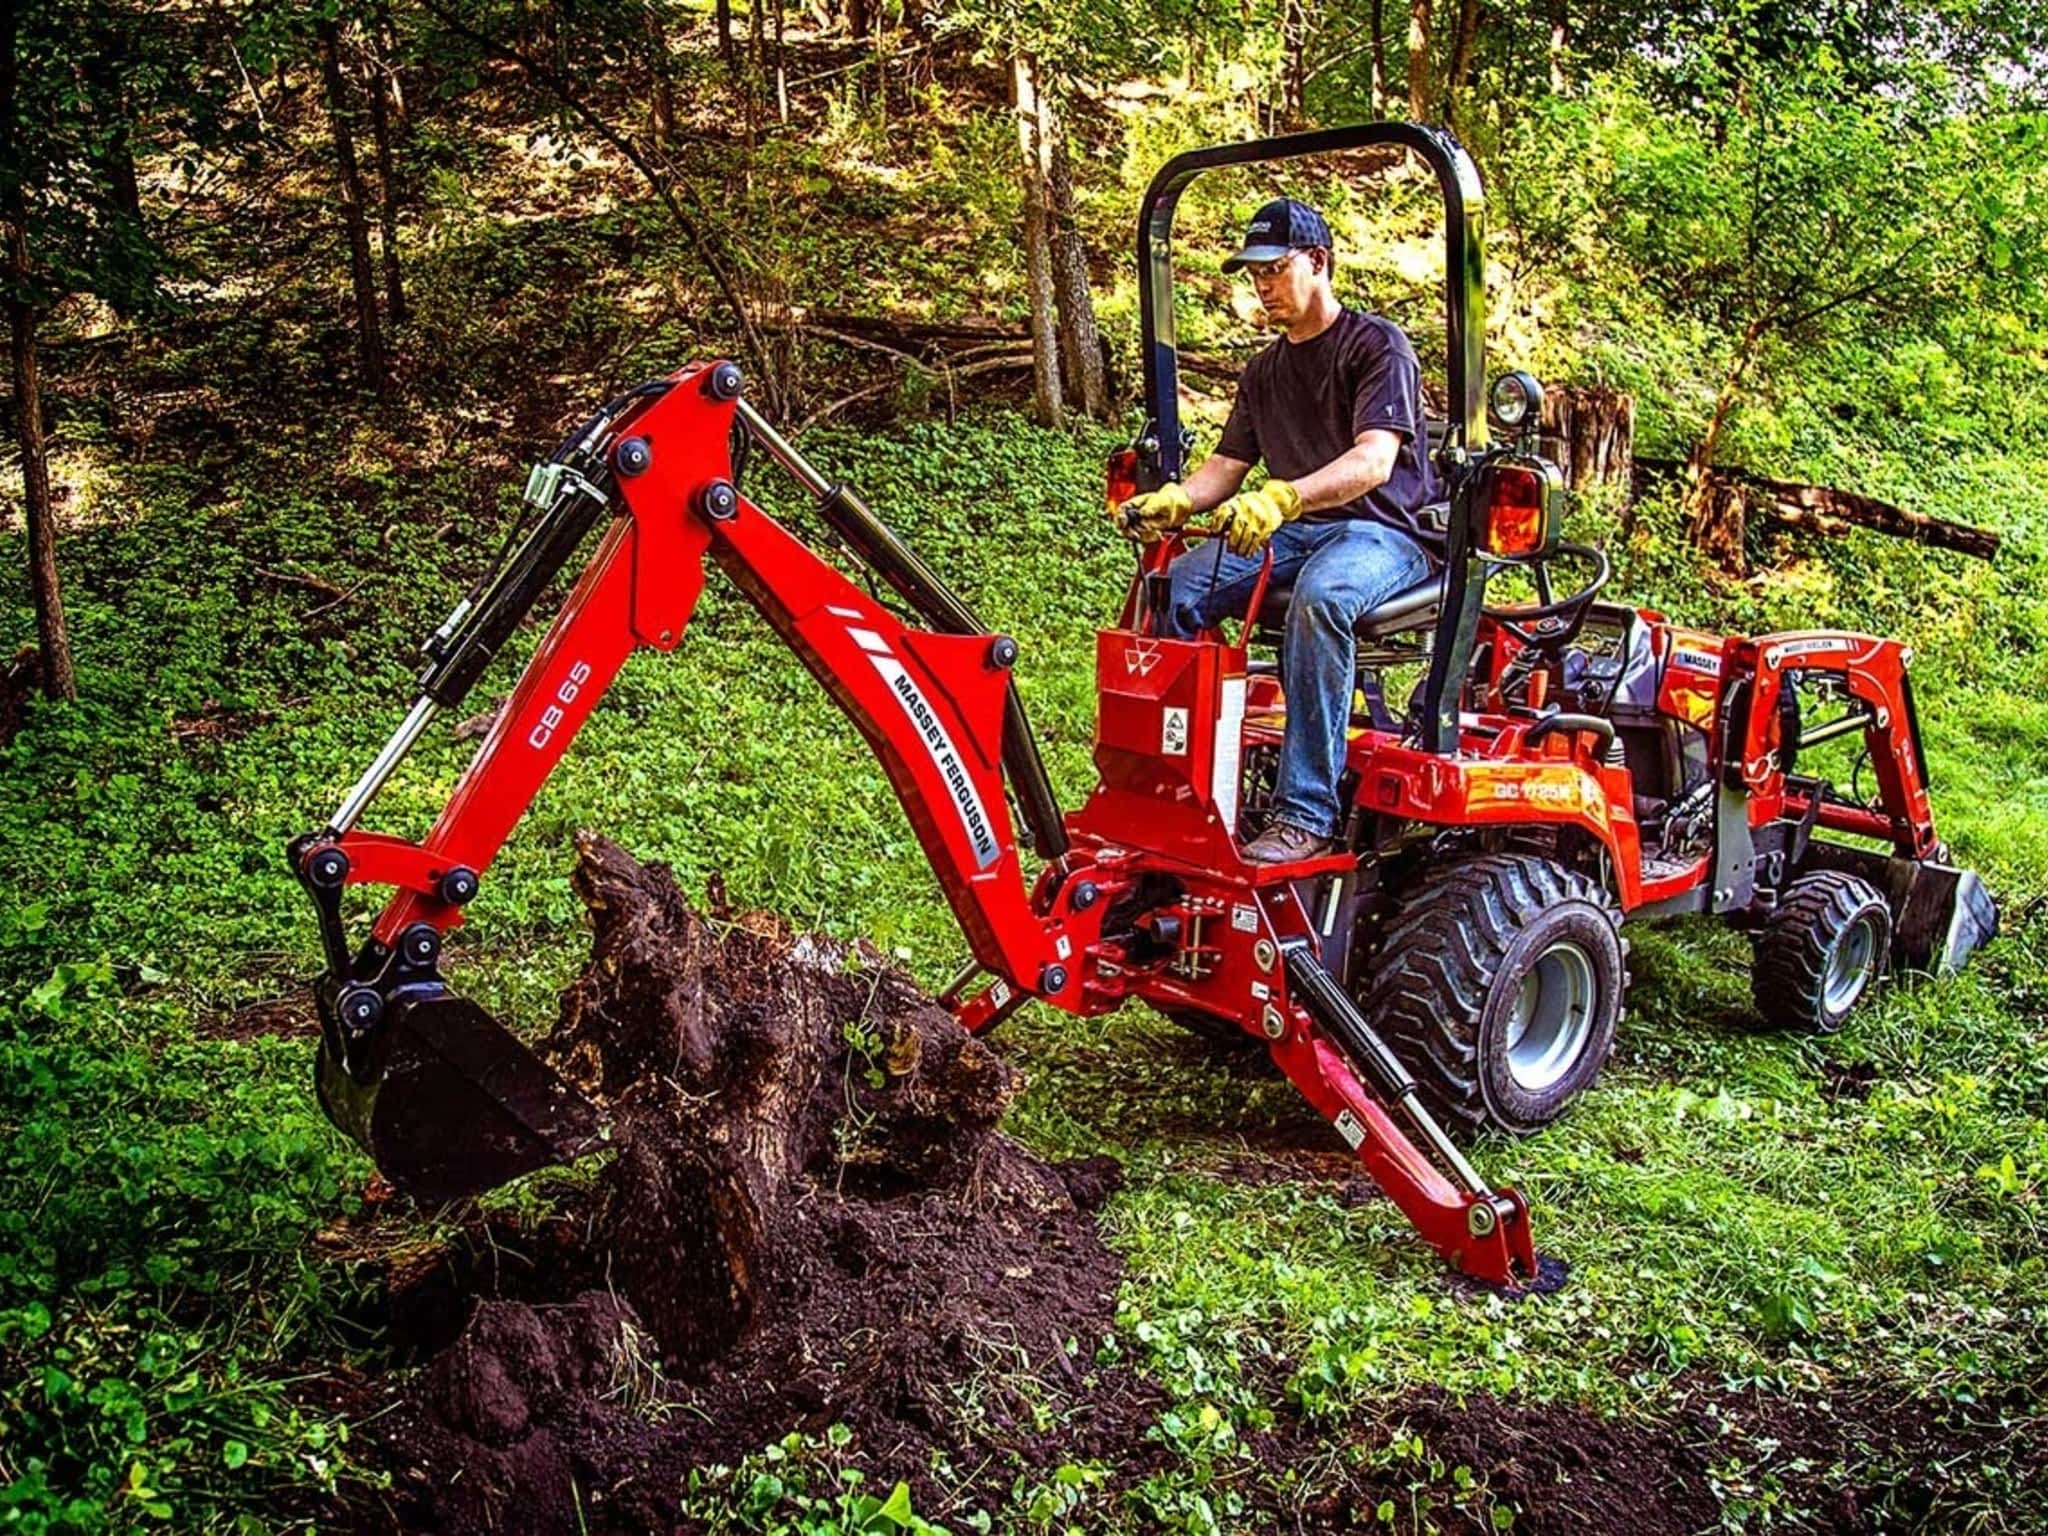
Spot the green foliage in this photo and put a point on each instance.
(801, 1486)
(156, 1194)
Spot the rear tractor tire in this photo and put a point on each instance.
(1820, 952)
(1500, 986)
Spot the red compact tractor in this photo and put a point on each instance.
(1564, 766)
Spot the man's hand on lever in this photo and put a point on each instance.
(1247, 520)
(1152, 515)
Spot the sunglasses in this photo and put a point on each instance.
(1262, 271)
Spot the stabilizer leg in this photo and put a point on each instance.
(1481, 1231)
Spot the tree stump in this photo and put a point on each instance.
(752, 1071)
(1590, 433)
(811, 1219)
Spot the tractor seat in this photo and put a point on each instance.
(1414, 608)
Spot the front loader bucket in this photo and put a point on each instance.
(1941, 915)
(1947, 916)
(459, 1105)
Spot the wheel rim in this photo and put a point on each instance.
(1849, 966)
(1552, 1018)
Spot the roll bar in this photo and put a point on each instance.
(1163, 447)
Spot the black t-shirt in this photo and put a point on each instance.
(1302, 404)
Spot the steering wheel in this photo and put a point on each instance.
(1552, 621)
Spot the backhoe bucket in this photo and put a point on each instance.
(459, 1106)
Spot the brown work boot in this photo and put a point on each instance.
(1285, 843)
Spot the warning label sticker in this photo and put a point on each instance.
(1173, 732)
(1349, 1128)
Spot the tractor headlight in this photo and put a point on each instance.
(1515, 401)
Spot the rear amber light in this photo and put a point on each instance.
(1123, 476)
(1514, 520)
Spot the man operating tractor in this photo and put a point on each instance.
(1333, 408)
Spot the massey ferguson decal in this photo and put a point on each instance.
(1813, 645)
(945, 757)
(1141, 656)
(556, 712)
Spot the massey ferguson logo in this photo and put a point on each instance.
(1141, 656)
(946, 758)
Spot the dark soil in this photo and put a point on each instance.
(811, 1219)
(1847, 1079)
(253, 1021)
(1840, 1463)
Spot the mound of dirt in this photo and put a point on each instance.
(810, 1219)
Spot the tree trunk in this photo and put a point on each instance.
(721, 12)
(1379, 58)
(102, 69)
(382, 96)
(860, 19)
(1083, 368)
(1461, 57)
(1038, 264)
(1559, 37)
(1721, 521)
(369, 333)
(661, 93)
(53, 642)
(1418, 60)
(1294, 28)
(781, 68)
(1713, 518)
(387, 47)
(755, 70)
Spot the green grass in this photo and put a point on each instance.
(1726, 1220)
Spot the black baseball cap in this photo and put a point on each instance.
(1281, 226)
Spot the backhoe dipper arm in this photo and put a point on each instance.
(932, 706)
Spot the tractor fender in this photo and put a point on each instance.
(1497, 793)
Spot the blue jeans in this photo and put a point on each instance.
(1341, 570)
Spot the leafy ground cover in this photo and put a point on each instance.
(1807, 1274)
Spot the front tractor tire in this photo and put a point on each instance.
(1499, 985)
(1821, 951)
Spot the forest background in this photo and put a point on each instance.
(293, 292)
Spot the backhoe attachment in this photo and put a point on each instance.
(458, 1105)
(444, 1099)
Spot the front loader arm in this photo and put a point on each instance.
(935, 709)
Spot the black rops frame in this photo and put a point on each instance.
(1163, 446)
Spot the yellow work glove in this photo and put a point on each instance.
(1250, 518)
(1153, 514)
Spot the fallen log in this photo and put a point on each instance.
(1828, 509)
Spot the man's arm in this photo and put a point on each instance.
(1220, 476)
(1365, 466)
